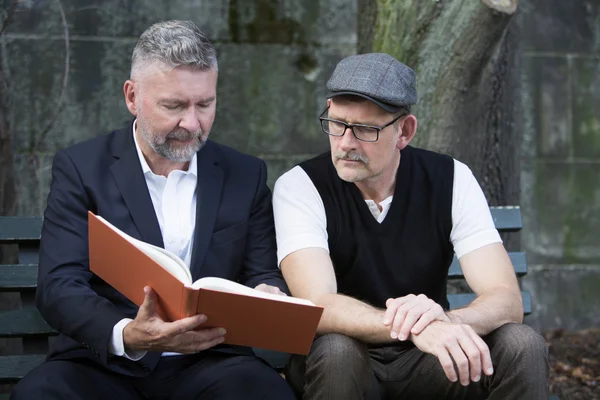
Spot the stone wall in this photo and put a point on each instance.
(560, 178)
(274, 60)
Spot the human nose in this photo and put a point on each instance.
(190, 121)
(348, 140)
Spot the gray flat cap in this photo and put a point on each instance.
(377, 77)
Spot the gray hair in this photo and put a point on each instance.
(173, 43)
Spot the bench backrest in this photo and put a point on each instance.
(27, 324)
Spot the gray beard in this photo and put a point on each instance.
(181, 154)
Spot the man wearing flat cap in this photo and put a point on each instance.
(369, 229)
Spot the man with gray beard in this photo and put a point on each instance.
(368, 230)
(162, 181)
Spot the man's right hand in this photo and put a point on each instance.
(149, 332)
(449, 341)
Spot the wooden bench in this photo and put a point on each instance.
(27, 324)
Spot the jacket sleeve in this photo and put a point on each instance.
(64, 296)
(260, 259)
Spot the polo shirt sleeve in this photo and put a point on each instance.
(472, 223)
(300, 220)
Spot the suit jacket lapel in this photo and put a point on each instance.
(129, 176)
(208, 198)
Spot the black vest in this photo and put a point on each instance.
(410, 251)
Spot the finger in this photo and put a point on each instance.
(394, 304)
(402, 313)
(388, 316)
(274, 290)
(484, 350)
(397, 322)
(204, 338)
(195, 341)
(435, 312)
(278, 291)
(399, 301)
(461, 361)
(427, 318)
(148, 307)
(211, 343)
(447, 364)
(473, 354)
(184, 325)
(412, 316)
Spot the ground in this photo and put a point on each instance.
(575, 364)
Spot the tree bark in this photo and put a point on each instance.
(464, 55)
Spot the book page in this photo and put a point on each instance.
(224, 285)
(169, 261)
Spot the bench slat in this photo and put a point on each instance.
(18, 277)
(13, 368)
(518, 259)
(23, 323)
(14, 229)
(507, 219)
(18, 229)
(458, 300)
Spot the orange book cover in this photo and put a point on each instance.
(251, 318)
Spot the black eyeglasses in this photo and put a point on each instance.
(365, 133)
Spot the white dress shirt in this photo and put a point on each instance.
(174, 201)
(301, 222)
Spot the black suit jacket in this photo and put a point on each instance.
(234, 237)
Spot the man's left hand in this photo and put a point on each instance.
(411, 314)
(456, 344)
(263, 287)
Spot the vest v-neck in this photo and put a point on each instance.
(399, 201)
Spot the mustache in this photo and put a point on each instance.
(182, 134)
(351, 155)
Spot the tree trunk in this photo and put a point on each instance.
(464, 55)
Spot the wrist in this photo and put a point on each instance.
(453, 317)
(127, 341)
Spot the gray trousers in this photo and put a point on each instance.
(340, 367)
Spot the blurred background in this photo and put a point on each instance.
(513, 90)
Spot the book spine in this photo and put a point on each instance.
(189, 302)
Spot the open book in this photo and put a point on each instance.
(251, 318)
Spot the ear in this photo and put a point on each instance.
(131, 92)
(328, 102)
(409, 128)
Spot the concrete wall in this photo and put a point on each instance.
(560, 179)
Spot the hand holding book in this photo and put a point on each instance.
(149, 332)
(251, 317)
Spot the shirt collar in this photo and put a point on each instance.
(192, 169)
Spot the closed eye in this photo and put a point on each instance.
(172, 106)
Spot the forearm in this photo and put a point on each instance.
(352, 318)
(89, 320)
(490, 311)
